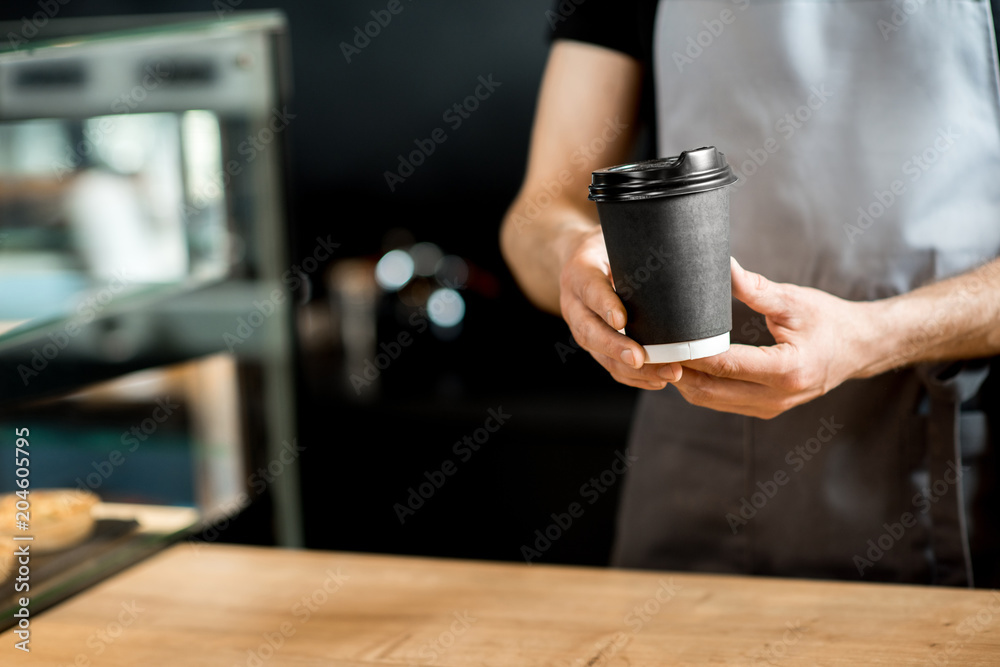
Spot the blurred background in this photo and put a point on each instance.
(414, 401)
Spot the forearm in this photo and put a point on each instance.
(535, 248)
(585, 120)
(957, 318)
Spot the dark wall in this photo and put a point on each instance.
(353, 119)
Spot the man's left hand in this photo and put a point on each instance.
(821, 341)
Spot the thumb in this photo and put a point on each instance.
(756, 291)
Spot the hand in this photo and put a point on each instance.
(821, 341)
(596, 315)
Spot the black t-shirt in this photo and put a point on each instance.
(622, 25)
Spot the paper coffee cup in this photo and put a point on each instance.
(666, 228)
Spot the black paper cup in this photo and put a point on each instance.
(666, 227)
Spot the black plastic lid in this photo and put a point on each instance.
(692, 171)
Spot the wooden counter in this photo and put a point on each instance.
(226, 605)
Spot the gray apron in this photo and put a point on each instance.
(865, 133)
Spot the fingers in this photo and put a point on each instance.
(670, 372)
(595, 315)
(618, 354)
(647, 377)
(594, 335)
(770, 365)
(593, 287)
(736, 396)
(758, 292)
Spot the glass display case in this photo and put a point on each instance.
(146, 289)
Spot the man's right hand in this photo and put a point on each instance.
(596, 315)
(558, 254)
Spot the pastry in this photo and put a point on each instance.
(57, 518)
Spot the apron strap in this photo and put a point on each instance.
(948, 386)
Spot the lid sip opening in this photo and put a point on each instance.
(692, 171)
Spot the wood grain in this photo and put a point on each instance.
(227, 605)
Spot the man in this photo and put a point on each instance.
(848, 431)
